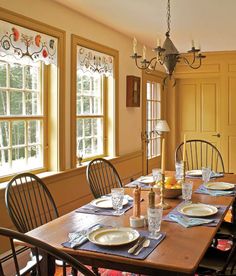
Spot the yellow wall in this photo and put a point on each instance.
(70, 189)
(56, 15)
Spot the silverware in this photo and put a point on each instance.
(133, 248)
(144, 245)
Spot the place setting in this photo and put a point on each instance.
(200, 173)
(189, 214)
(122, 241)
(214, 188)
(114, 204)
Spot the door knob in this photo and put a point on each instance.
(217, 135)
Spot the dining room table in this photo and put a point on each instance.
(179, 253)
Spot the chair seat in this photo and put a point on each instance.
(216, 260)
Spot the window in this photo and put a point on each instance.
(22, 120)
(31, 81)
(90, 115)
(153, 115)
(94, 100)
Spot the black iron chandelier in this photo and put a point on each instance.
(167, 54)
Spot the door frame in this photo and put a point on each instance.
(156, 76)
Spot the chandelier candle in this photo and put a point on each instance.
(134, 45)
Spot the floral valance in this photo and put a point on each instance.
(20, 44)
(90, 61)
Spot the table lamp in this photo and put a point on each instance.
(161, 127)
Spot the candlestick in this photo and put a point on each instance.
(184, 148)
(163, 156)
(136, 208)
(184, 170)
(151, 198)
(163, 204)
(134, 45)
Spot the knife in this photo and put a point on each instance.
(140, 245)
(139, 242)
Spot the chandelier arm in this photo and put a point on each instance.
(138, 66)
(191, 64)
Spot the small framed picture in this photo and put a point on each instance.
(132, 91)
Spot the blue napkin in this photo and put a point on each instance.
(203, 190)
(189, 222)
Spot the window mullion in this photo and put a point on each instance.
(26, 141)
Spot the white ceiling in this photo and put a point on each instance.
(211, 23)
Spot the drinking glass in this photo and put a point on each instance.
(206, 174)
(187, 188)
(156, 174)
(154, 221)
(117, 196)
(179, 170)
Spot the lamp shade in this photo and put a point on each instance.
(162, 126)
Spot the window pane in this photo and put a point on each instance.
(34, 132)
(18, 133)
(4, 161)
(34, 156)
(3, 75)
(18, 156)
(80, 127)
(31, 103)
(88, 146)
(4, 134)
(16, 76)
(16, 103)
(148, 91)
(158, 92)
(88, 127)
(3, 102)
(79, 105)
(86, 84)
(31, 77)
(86, 105)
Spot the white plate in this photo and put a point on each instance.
(194, 173)
(105, 202)
(219, 186)
(198, 210)
(146, 179)
(113, 236)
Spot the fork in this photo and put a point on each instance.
(139, 242)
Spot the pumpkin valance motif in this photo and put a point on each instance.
(19, 44)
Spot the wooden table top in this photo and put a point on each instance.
(179, 253)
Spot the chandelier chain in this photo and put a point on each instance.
(168, 16)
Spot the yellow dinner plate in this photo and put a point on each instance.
(195, 173)
(113, 236)
(105, 202)
(198, 210)
(219, 186)
(146, 179)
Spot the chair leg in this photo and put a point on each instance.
(95, 270)
(74, 272)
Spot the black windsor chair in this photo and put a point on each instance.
(102, 177)
(218, 263)
(39, 248)
(29, 202)
(200, 153)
